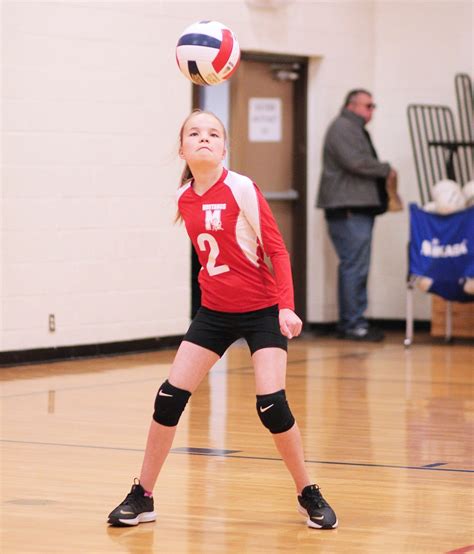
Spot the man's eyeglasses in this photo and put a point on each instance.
(369, 105)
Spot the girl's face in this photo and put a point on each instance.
(203, 140)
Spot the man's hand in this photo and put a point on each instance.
(290, 323)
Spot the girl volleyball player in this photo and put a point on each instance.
(231, 226)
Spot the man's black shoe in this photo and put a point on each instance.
(363, 334)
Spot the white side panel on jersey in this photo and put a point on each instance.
(182, 190)
(248, 223)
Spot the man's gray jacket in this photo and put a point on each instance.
(350, 168)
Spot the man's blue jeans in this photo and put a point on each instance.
(352, 239)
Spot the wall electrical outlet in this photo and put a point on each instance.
(52, 323)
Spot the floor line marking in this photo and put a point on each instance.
(244, 457)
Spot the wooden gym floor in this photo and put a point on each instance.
(387, 433)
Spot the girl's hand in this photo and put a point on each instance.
(290, 323)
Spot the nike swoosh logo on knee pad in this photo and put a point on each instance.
(262, 409)
(161, 393)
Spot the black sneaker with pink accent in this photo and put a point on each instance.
(313, 506)
(136, 508)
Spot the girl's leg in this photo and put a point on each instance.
(270, 377)
(190, 366)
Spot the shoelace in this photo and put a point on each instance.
(314, 495)
(134, 499)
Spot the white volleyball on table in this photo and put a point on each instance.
(448, 197)
(469, 285)
(468, 192)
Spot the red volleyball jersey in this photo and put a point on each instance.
(231, 226)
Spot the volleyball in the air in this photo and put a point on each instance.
(207, 53)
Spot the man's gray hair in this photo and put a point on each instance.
(352, 95)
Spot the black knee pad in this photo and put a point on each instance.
(274, 412)
(169, 404)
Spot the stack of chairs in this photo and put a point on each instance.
(441, 247)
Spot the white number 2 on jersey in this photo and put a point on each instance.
(211, 266)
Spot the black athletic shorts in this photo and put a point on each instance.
(216, 331)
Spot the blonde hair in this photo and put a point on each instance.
(187, 175)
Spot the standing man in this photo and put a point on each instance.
(352, 192)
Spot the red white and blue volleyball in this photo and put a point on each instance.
(207, 53)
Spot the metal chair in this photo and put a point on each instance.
(438, 152)
(465, 103)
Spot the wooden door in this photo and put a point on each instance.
(268, 144)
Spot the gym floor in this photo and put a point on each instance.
(387, 435)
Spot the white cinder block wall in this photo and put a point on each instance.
(90, 127)
(92, 103)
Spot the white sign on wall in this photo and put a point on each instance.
(265, 116)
